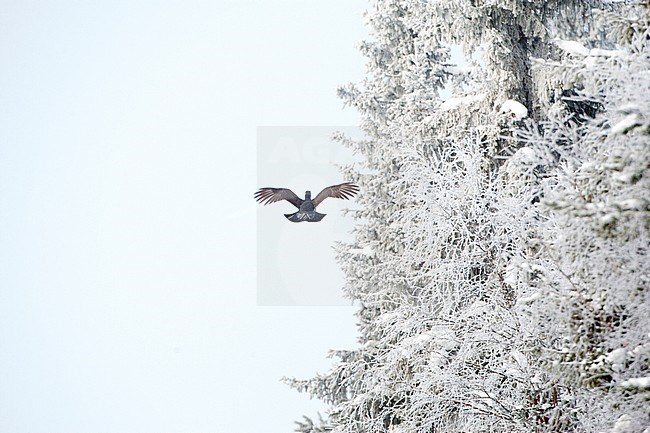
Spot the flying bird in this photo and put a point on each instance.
(306, 207)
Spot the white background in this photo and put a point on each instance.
(127, 224)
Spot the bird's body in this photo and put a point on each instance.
(306, 211)
(307, 207)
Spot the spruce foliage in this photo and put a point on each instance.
(500, 263)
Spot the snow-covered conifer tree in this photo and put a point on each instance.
(593, 305)
(499, 271)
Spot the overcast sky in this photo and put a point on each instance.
(128, 232)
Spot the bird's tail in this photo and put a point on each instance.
(301, 216)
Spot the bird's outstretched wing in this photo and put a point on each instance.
(271, 195)
(344, 191)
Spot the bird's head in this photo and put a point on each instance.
(307, 195)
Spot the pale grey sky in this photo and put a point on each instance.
(127, 226)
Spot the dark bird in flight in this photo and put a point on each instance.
(306, 207)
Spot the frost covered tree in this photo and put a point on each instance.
(592, 305)
(500, 261)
